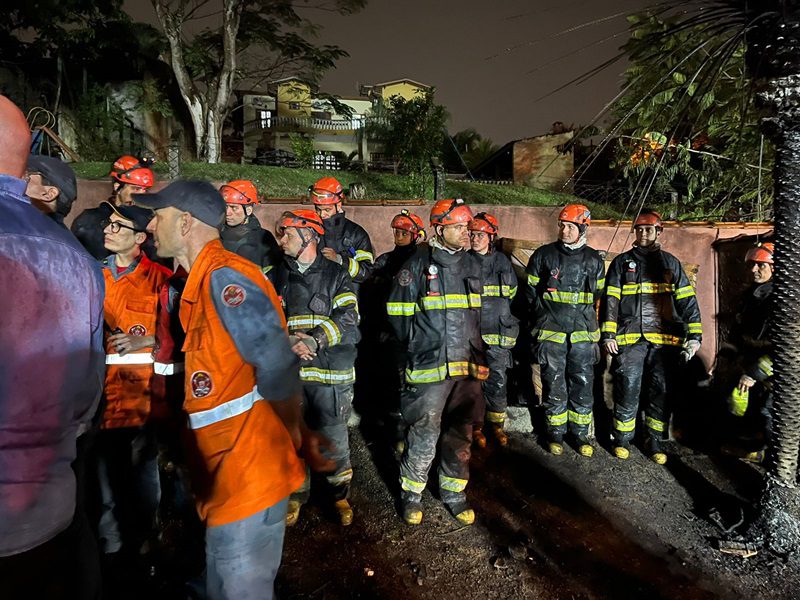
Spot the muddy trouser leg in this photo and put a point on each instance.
(580, 382)
(456, 439)
(327, 409)
(495, 388)
(628, 367)
(661, 370)
(553, 364)
(422, 408)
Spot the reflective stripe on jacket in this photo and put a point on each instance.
(498, 326)
(352, 243)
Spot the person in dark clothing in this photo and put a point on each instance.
(499, 328)
(344, 242)
(51, 186)
(242, 233)
(651, 322)
(129, 175)
(565, 283)
(435, 310)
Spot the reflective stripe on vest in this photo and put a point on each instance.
(226, 410)
(129, 359)
(167, 368)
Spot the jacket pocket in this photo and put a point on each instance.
(509, 331)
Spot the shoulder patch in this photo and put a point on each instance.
(404, 277)
(201, 384)
(233, 295)
(137, 330)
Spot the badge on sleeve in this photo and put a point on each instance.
(233, 295)
(137, 330)
(201, 384)
(404, 278)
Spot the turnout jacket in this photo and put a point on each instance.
(350, 241)
(435, 310)
(321, 303)
(750, 334)
(250, 241)
(649, 296)
(498, 326)
(563, 288)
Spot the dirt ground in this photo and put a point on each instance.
(547, 527)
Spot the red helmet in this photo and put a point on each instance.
(326, 191)
(762, 253)
(241, 191)
(408, 221)
(450, 212)
(129, 169)
(575, 213)
(484, 222)
(301, 219)
(650, 217)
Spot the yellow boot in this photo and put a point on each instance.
(412, 513)
(345, 512)
(478, 438)
(292, 512)
(462, 513)
(556, 448)
(622, 452)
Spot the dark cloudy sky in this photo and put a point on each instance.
(489, 61)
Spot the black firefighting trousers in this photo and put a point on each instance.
(648, 371)
(567, 378)
(326, 409)
(438, 413)
(495, 388)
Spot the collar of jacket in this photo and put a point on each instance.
(291, 264)
(192, 290)
(334, 225)
(15, 187)
(652, 249)
(111, 264)
(237, 232)
(762, 290)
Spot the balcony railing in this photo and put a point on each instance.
(307, 124)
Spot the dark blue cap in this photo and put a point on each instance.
(199, 198)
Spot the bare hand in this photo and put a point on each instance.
(330, 254)
(311, 451)
(745, 383)
(123, 343)
(302, 349)
(611, 346)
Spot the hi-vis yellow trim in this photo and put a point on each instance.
(364, 255)
(629, 289)
(684, 292)
(696, 328)
(625, 425)
(738, 401)
(654, 338)
(401, 309)
(495, 417)
(352, 267)
(410, 485)
(327, 376)
(533, 280)
(556, 420)
(545, 335)
(613, 290)
(609, 327)
(497, 291)
(451, 484)
(568, 297)
(450, 301)
(452, 369)
(655, 424)
(578, 418)
(584, 336)
(345, 299)
(601, 283)
(306, 322)
(340, 478)
(765, 365)
(503, 341)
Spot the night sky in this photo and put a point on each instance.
(489, 61)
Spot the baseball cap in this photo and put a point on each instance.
(57, 172)
(139, 216)
(199, 198)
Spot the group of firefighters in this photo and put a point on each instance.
(197, 292)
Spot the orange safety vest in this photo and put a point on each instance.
(240, 454)
(130, 305)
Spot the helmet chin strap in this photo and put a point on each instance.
(307, 239)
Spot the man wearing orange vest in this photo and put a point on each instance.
(126, 446)
(242, 394)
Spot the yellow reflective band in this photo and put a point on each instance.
(545, 335)
(503, 341)
(401, 309)
(655, 424)
(453, 369)
(451, 484)
(364, 255)
(555, 420)
(266, 269)
(533, 280)
(684, 292)
(613, 290)
(609, 327)
(451, 301)
(601, 283)
(327, 376)
(474, 300)
(568, 297)
(696, 328)
(495, 417)
(628, 338)
(340, 478)
(508, 291)
(663, 339)
(625, 425)
(584, 336)
(629, 289)
(765, 365)
(305, 322)
(345, 299)
(332, 332)
(578, 418)
(352, 267)
(491, 290)
(410, 485)
(738, 401)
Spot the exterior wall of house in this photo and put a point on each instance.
(538, 162)
(294, 99)
(404, 89)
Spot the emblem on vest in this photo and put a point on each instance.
(137, 330)
(201, 384)
(233, 295)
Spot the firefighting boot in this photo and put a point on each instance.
(499, 434)
(292, 512)
(477, 436)
(412, 512)
(555, 446)
(345, 511)
(656, 452)
(622, 450)
(462, 512)
(585, 447)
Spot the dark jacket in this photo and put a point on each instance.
(87, 228)
(563, 288)
(434, 309)
(250, 241)
(750, 333)
(321, 302)
(648, 295)
(352, 243)
(498, 326)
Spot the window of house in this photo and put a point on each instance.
(265, 118)
(357, 121)
(294, 105)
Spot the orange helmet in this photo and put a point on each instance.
(762, 253)
(575, 213)
(649, 217)
(408, 221)
(326, 191)
(241, 191)
(301, 219)
(450, 212)
(129, 169)
(484, 222)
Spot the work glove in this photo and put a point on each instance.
(738, 401)
(690, 348)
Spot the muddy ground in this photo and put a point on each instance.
(547, 527)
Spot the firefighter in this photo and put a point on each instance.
(126, 444)
(242, 233)
(752, 395)
(344, 242)
(129, 175)
(651, 323)
(242, 394)
(322, 316)
(499, 327)
(434, 308)
(565, 282)
(51, 186)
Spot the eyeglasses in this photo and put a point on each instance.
(116, 226)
